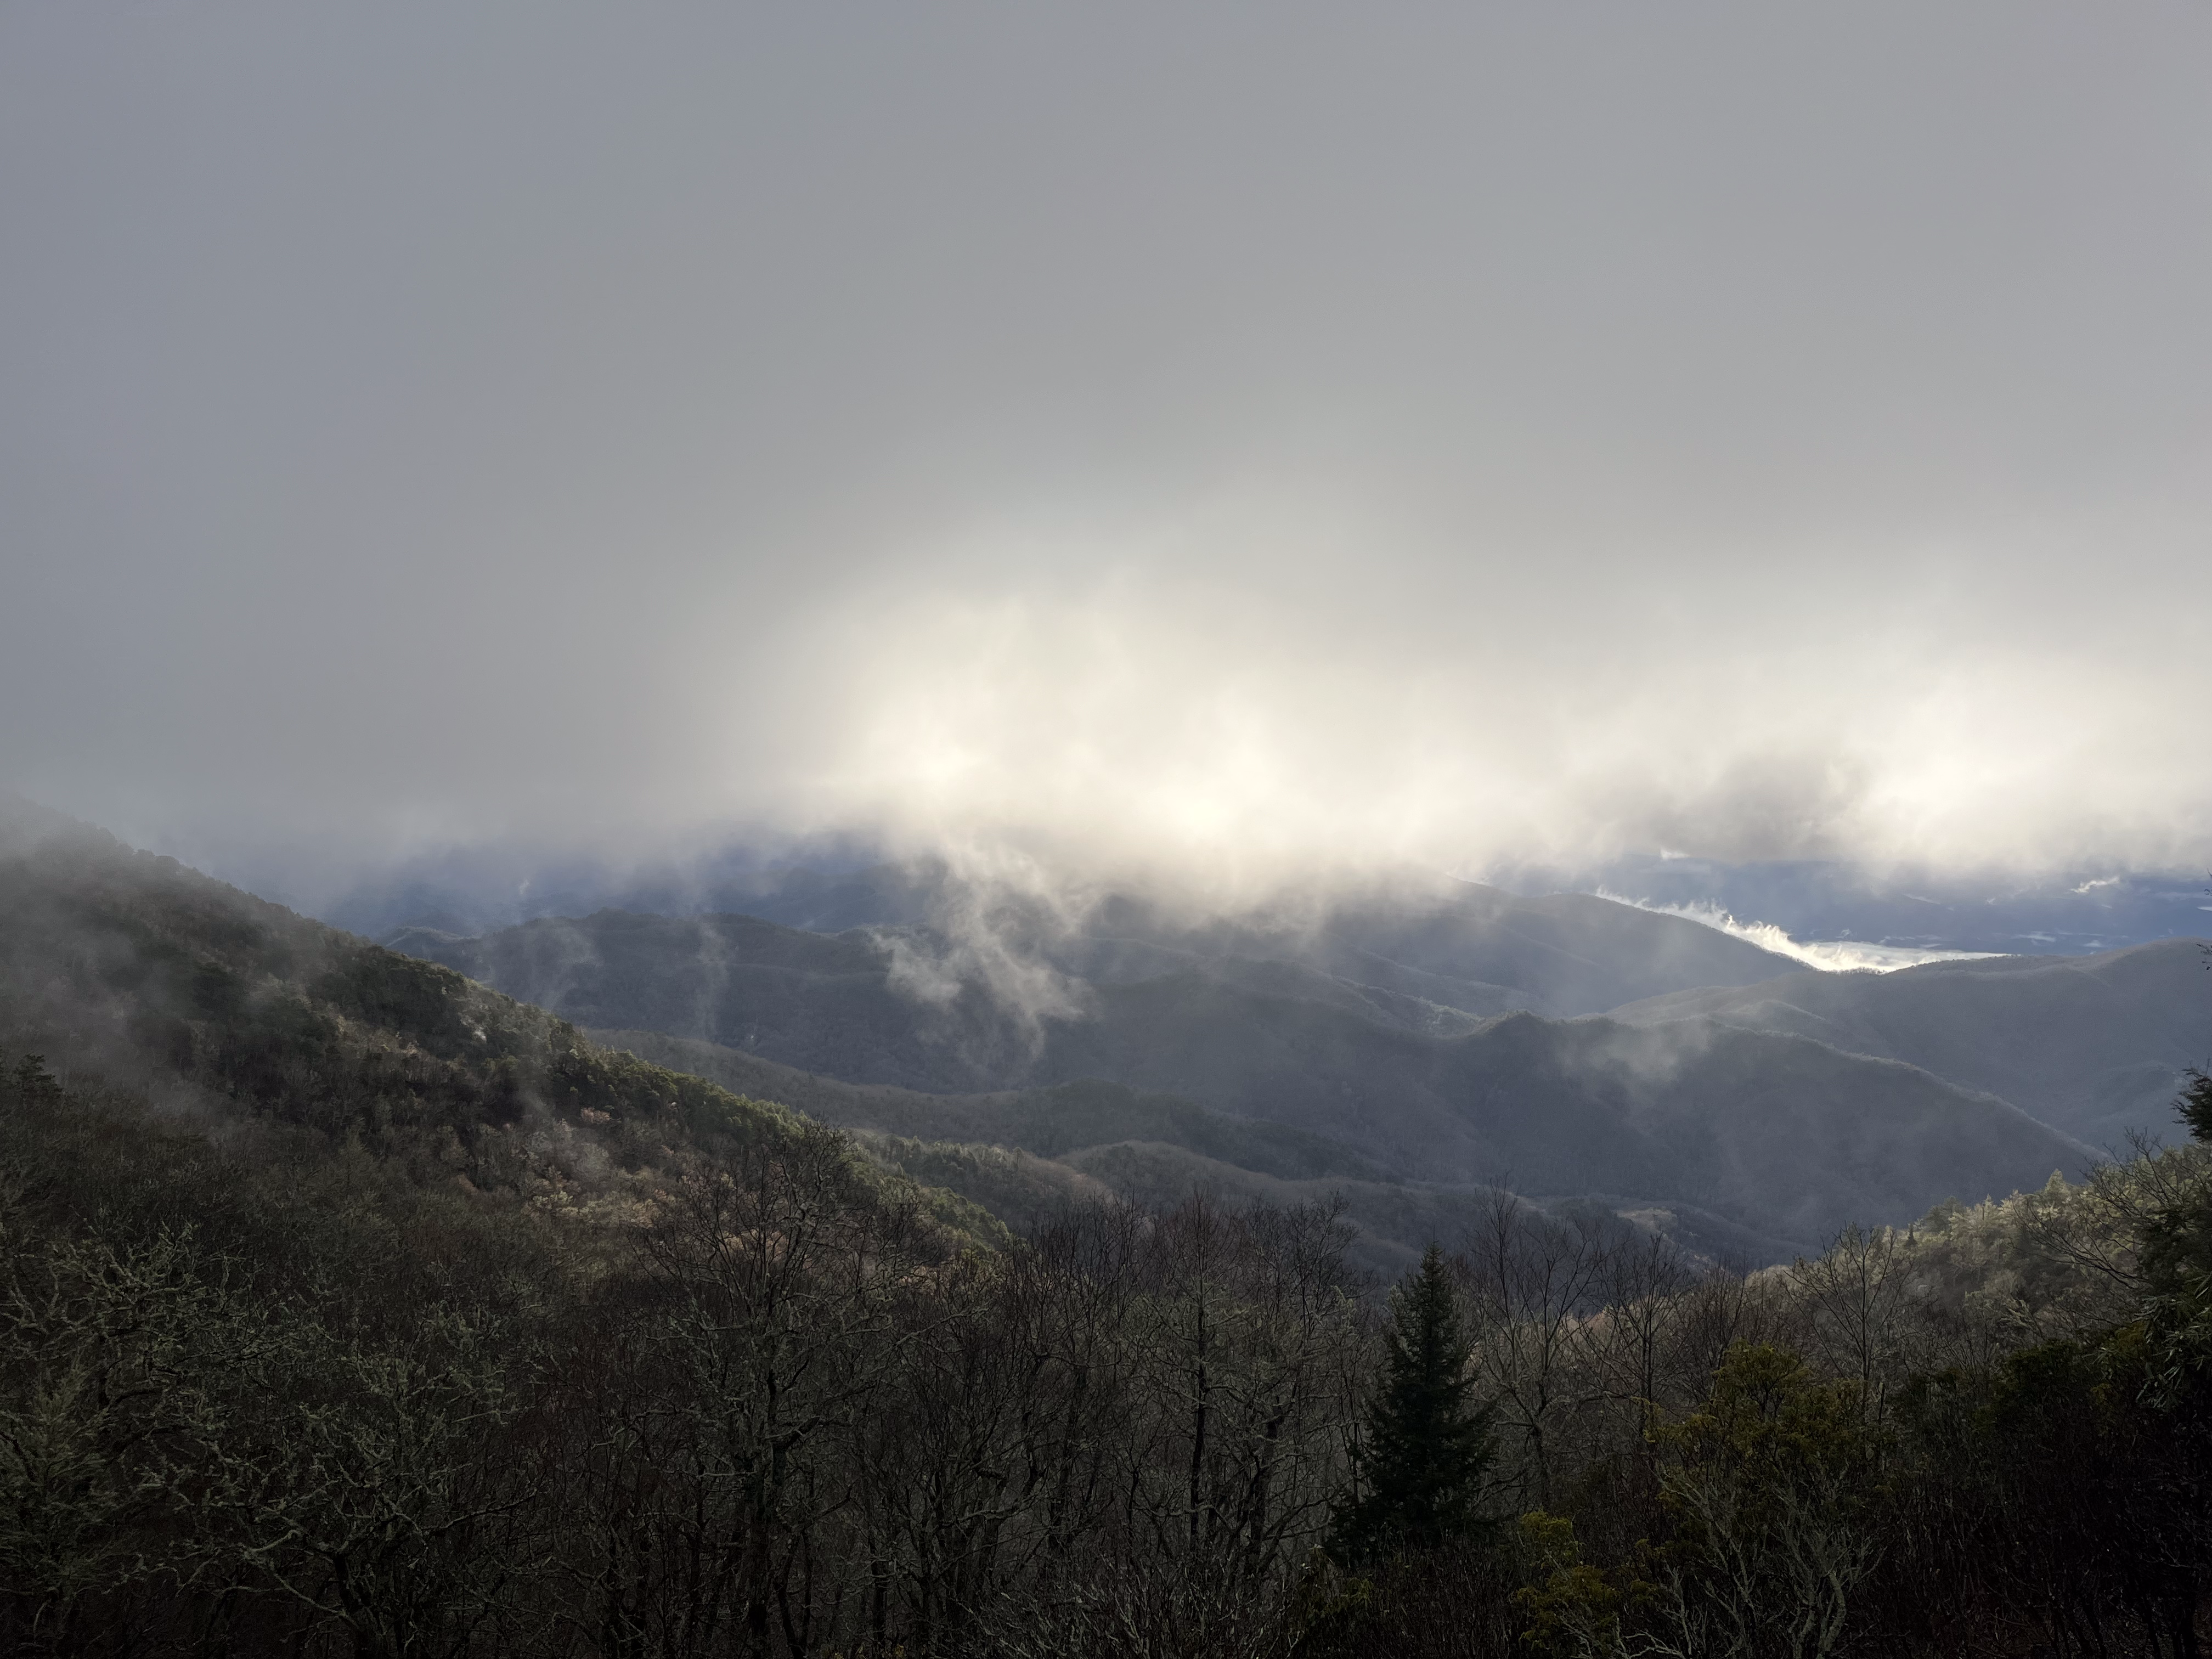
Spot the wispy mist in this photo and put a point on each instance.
(1830, 956)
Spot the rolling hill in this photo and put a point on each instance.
(1786, 1136)
(1018, 1153)
(2096, 1046)
(911, 1007)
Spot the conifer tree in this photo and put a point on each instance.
(2176, 1256)
(1427, 1443)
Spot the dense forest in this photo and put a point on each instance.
(349, 1307)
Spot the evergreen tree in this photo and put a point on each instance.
(1427, 1443)
(2194, 1106)
(2176, 1256)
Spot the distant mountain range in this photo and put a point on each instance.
(1413, 1047)
(831, 884)
(1446, 1034)
(919, 1003)
(2068, 913)
(2096, 1046)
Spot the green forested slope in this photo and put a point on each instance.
(240, 1016)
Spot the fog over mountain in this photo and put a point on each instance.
(1441, 1034)
(1216, 444)
(1830, 916)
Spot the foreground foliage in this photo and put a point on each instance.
(266, 1396)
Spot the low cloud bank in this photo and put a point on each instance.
(1587, 439)
(1829, 956)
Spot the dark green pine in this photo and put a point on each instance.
(1427, 1443)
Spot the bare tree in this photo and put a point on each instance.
(1534, 1281)
(1854, 1304)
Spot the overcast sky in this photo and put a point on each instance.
(1181, 432)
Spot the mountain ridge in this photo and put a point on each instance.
(2096, 1046)
(1790, 1138)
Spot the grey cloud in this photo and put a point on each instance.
(1216, 437)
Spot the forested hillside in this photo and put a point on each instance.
(287, 1398)
(347, 1307)
(240, 1018)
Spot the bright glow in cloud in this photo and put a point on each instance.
(1247, 694)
